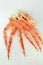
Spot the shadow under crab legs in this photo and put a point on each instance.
(28, 20)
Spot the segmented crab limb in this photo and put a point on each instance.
(5, 37)
(26, 17)
(19, 33)
(10, 41)
(30, 40)
(18, 26)
(31, 27)
(32, 33)
(35, 38)
(21, 42)
(25, 22)
(38, 35)
(4, 33)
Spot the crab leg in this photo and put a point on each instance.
(26, 17)
(35, 38)
(27, 36)
(32, 33)
(20, 37)
(18, 26)
(22, 24)
(4, 33)
(10, 40)
(37, 33)
(31, 27)
(21, 41)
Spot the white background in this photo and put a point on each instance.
(35, 9)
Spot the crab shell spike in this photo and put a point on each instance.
(32, 21)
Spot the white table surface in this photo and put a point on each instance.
(35, 9)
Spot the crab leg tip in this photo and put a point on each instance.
(8, 57)
(42, 41)
(33, 22)
(24, 53)
(37, 50)
(40, 50)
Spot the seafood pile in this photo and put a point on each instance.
(24, 24)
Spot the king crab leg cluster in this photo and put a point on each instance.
(23, 23)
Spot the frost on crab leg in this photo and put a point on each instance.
(21, 41)
(32, 27)
(10, 40)
(18, 26)
(32, 33)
